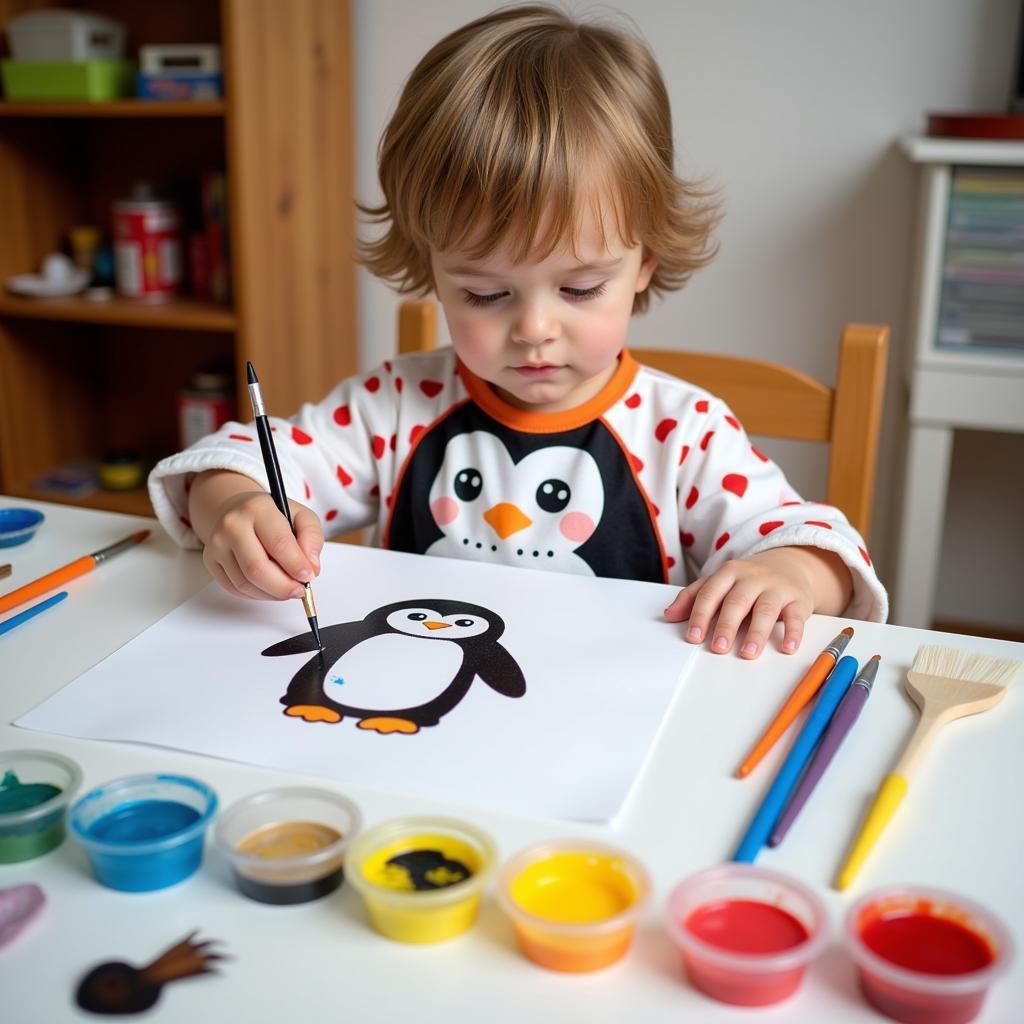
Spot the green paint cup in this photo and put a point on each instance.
(35, 789)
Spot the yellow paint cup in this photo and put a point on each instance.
(574, 903)
(421, 878)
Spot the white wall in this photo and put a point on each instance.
(793, 108)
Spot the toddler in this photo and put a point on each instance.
(528, 181)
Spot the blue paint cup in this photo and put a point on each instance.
(144, 832)
(18, 525)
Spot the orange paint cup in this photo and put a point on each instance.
(574, 903)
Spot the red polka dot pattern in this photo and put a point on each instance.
(633, 401)
(300, 436)
(431, 388)
(687, 539)
(864, 554)
(702, 405)
(372, 384)
(691, 498)
(342, 416)
(635, 463)
(735, 483)
(818, 522)
(415, 432)
(387, 365)
(721, 542)
(705, 439)
(765, 528)
(664, 428)
(308, 492)
(684, 453)
(343, 477)
(399, 384)
(331, 514)
(670, 561)
(760, 454)
(239, 437)
(733, 422)
(379, 446)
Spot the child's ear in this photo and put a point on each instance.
(648, 265)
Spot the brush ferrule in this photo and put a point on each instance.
(307, 601)
(867, 675)
(838, 645)
(256, 397)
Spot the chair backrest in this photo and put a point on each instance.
(770, 399)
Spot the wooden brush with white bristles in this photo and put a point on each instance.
(945, 683)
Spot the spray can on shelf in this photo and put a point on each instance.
(147, 246)
(205, 403)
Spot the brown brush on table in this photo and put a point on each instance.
(276, 484)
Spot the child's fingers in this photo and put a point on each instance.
(248, 563)
(308, 533)
(278, 541)
(794, 616)
(225, 571)
(735, 607)
(707, 602)
(679, 609)
(763, 617)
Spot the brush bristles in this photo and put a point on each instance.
(952, 663)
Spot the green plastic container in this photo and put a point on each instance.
(93, 80)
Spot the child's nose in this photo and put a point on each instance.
(535, 325)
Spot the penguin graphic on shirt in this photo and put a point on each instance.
(566, 500)
(443, 646)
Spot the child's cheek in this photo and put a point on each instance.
(577, 527)
(445, 510)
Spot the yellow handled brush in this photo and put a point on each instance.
(945, 683)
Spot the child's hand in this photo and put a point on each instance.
(783, 583)
(249, 548)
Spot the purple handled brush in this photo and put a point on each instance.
(845, 715)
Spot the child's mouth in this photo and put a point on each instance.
(536, 371)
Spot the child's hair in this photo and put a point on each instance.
(513, 117)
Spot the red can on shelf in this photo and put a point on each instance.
(147, 247)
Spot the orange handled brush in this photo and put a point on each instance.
(78, 567)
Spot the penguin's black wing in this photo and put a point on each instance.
(337, 638)
(499, 670)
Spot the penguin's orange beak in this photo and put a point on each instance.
(506, 519)
(436, 625)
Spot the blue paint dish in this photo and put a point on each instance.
(144, 832)
(18, 525)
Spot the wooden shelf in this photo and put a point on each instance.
(113, 108)
(132, 503)
(180, 314)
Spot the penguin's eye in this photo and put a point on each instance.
(417, 616)
(468, 484)
(464, 622)
(553, 495)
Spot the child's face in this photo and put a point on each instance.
(546, 334)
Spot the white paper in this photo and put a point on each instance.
(599, 662)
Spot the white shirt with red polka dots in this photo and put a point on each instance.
(710, 495)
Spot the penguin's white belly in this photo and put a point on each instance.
(390, 672)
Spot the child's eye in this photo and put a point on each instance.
(483, 300)
(582, 294)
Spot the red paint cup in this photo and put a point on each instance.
(918, 996)
(738, 965)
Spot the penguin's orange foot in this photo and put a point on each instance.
(313, 713)
(386, 725)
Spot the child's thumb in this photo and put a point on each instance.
(308, 533)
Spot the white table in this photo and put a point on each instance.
(960, 828)
(949, 390)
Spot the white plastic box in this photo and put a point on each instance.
(59, 35)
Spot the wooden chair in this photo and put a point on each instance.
(771, 400)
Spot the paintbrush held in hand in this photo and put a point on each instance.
(945, 683)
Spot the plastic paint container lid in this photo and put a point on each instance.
(154, 857)
(296, 812)
(916, 996)
(742, 978)
(595, 894)
(416, 914)
(32, 831)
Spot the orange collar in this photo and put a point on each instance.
(550, 422)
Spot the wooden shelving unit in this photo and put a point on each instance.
(80, 377)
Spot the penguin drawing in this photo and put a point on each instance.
(445, 644)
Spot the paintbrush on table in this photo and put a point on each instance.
(945, 683)
(5, 571)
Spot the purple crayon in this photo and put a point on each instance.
(845, 715)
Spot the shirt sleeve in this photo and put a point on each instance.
(326, 451)
(735, 502)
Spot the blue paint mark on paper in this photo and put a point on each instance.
(337, 680)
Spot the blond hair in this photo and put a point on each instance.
(510, 118)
